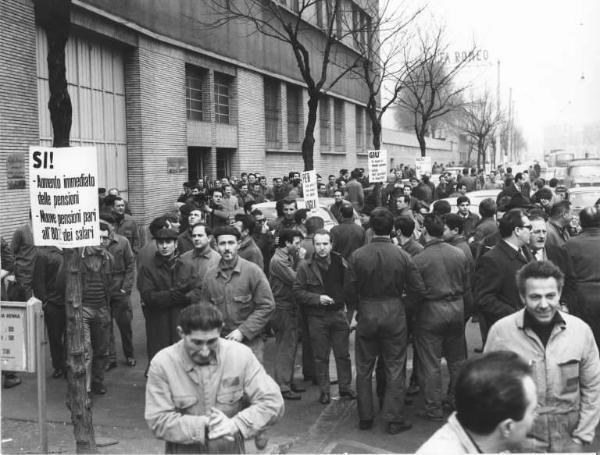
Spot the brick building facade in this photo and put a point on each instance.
(165, 99)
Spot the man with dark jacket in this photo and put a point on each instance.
(440, 322)
(495, 290)
(381, 273)
(120, 298)
(285, 319)
(485, 227)
(216, 214)
(125, 225)
(24, 252)
(320, 289)
(164, 284)
(583, 252)
(49, 287)
(248, 249)
(470, 219)
(347, 236)
(184, 240)
(356, 195)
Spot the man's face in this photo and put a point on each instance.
(260, 219)
(228, 246)
(104, 238)
(337, 196)
(263, 182)
(443, 179)
(240, 227)
(166, 247)
(199, 237)
(449, 234)
(119, 207)
(407, 190)
(257, 187)
(224, 181)
(194, 217)
(251, 179)
(332, 180)
(278, 182)
(520, 429)
(244, 190)
(200, 345)
(296, 176)
(289, 210)
(463, 208)
(201, 182)
(319, 180)
(524, 232)
(462, 189)
(217, 197)
(492, 178)
(400, 204)
(537, 239)
(293, 247)
(542, 298)
(195, 191)
(322, 244)
(227, 191)
(414, 182)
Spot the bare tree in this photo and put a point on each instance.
(54, 16)
(479, 119)
(381, 69)
(295, 25)
(429, 88)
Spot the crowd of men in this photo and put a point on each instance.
(216, 278)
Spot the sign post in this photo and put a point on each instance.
(309, 190)
(378, 166)
(422, 166)
(22, 344)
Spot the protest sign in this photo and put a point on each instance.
(63, 189)
(378, 168)
(309, 190)
(422, 166)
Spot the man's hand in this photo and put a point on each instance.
(573, 445)
(220, 426)
(301, 253)
(235, 335)
(325, 300)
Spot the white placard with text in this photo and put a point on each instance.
(378, 167)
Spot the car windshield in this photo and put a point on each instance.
(584, 199)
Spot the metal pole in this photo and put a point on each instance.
(41, 378)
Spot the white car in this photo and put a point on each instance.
(581, 197)
(475, 197)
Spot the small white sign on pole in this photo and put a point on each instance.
(422, 166)
(309, 190)
(378, 166)
(63, 189)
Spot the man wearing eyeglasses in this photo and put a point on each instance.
(495, 291)
(206, 394)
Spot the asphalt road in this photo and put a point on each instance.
(307, 427)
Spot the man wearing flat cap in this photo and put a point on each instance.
(165, 284)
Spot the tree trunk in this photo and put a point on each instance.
(422, 143)
(54, 17)
(376, 129)
(308, 144)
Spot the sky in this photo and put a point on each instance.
(549, 53)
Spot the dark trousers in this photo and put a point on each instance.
(56, 324)
(161, 328)
(121, 313)
(381, 331)
(308, 359)
(96, 322)
(434, 338)
(329, 330)
(285, 323)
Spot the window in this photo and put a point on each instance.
(272, 113)
(324, 122)
(360, 129)
(294, 115)
(195, 79)
(338, 115)
(222, 97)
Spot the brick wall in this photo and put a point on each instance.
(18, 109)
(156, 126)
(251, 126)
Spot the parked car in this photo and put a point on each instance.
(581, 197)
(475, 197)
(583, 172)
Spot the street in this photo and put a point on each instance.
(307, 426)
